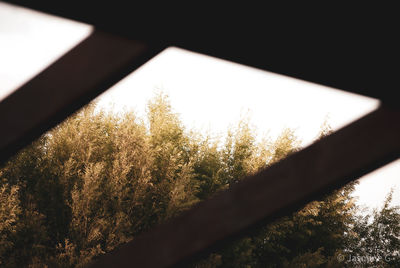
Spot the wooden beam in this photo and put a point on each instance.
(91, 67)
(345, 155)
(344, 49)
(103, 59)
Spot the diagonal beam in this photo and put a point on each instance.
(331, 162)
(91, 67)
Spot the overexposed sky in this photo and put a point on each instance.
(30, 41)
(209, 94)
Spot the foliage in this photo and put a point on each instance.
(9, 212)
(99, 179)
(377, 237)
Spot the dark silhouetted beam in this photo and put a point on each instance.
(340, 48)
(345, 155)
(91, 67)
(331, 56)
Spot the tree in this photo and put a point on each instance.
(9, 212)
(99, 179)
(310, 237)
(173, 159)
(377, 237)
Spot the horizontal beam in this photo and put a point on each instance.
(303, 52)
(87, 70)
(339, 50)
(337, 159)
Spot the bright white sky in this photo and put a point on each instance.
(209, 94)
(30, 41)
